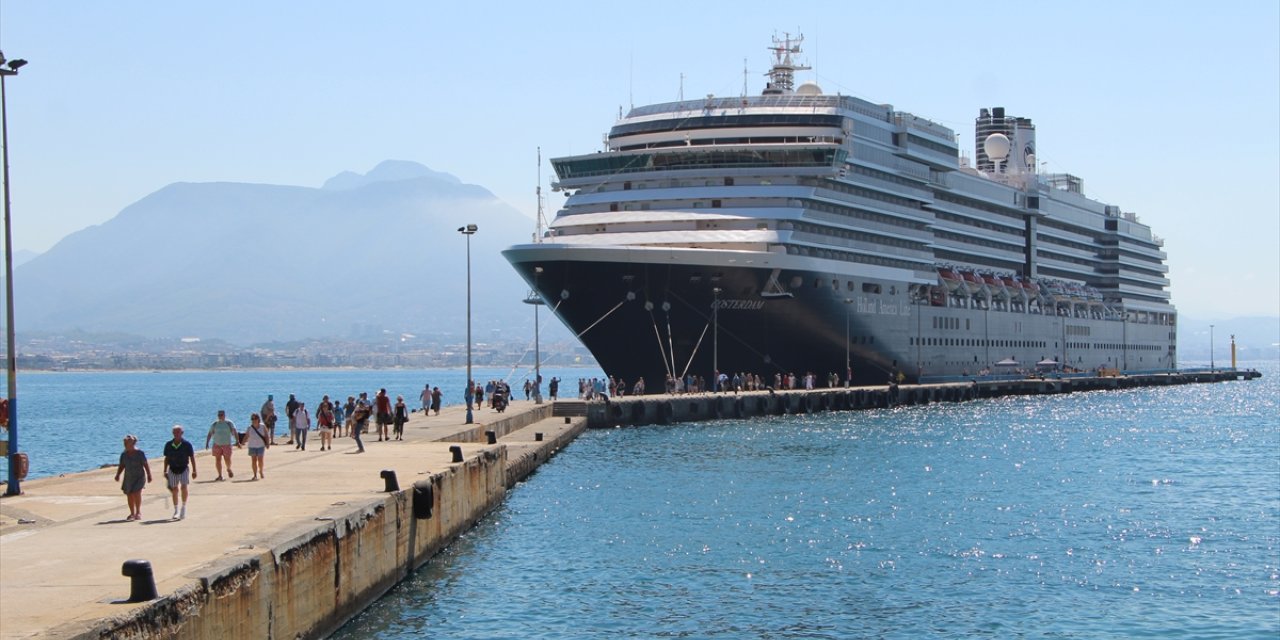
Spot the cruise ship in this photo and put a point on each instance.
(798, 232)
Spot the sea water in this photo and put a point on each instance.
(1149, 512)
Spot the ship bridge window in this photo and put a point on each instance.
(868, 287)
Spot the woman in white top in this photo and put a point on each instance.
(257, 440)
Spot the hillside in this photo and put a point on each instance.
(364, 254)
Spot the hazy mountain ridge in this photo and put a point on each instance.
(256, 262)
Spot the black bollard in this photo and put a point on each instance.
(491, 436)
(142, 582)
(389, 476)
(537, 436)
(566, 419)
(457, 453)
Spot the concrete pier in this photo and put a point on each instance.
(294, 555)
(669, 409)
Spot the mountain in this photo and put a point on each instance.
(20, 257)
(365, 254)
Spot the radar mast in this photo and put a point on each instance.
(782, 77)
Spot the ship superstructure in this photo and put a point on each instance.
(798, 231)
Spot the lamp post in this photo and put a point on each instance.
(1211, 365)
(469, 231)
(13, 488)
(715, 339)
(848, 365)
(535, 299)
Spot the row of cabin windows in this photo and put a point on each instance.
(980, 342)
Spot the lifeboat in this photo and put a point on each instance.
(1057, 290)
(1030, 286)
(949, 279)
(995, 285)
(972, 282)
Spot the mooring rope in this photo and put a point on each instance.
(695, 350)
(601, 318)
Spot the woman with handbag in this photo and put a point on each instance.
(257, 440)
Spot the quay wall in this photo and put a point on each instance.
(670, 409)
(309, 580)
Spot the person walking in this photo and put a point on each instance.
(179, 469)
(324, 419)
(137, 473)
(339, 417)
(289, 408)
(268, 413)
(436, 397)
(401, 416)
(360, 419)
(301, 422)
(223, 434)
(257, 440)
(425, 397)
(382, 405)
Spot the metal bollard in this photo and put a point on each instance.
(389, 476)
(537, 436)
(457, 453)
(566, 420)
(491, 436)
(142, 581)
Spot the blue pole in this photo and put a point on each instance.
(13, 488)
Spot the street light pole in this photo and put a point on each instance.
(535, 299)
(1211, 364)
(13, 488)
(715, 339)
(848, 365)
(468, 231)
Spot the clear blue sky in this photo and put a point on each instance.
(1170, 110)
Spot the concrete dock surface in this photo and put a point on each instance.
(63, 543)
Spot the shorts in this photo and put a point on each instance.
(177, 479)
(222, 450)
(326, 431)
(256, 452)
(384, 418)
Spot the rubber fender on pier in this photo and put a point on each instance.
(637, 412)
(739, 407)
(423, 499)
(762, 405)
(666, 411)
(615, 411)
(806, 403)
(717, 408)
(789, 403)
(824, 401)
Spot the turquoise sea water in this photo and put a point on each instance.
(1126, 514)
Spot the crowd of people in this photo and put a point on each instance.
(330, 419)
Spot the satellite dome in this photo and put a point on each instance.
(997, 146)
(809, 89)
